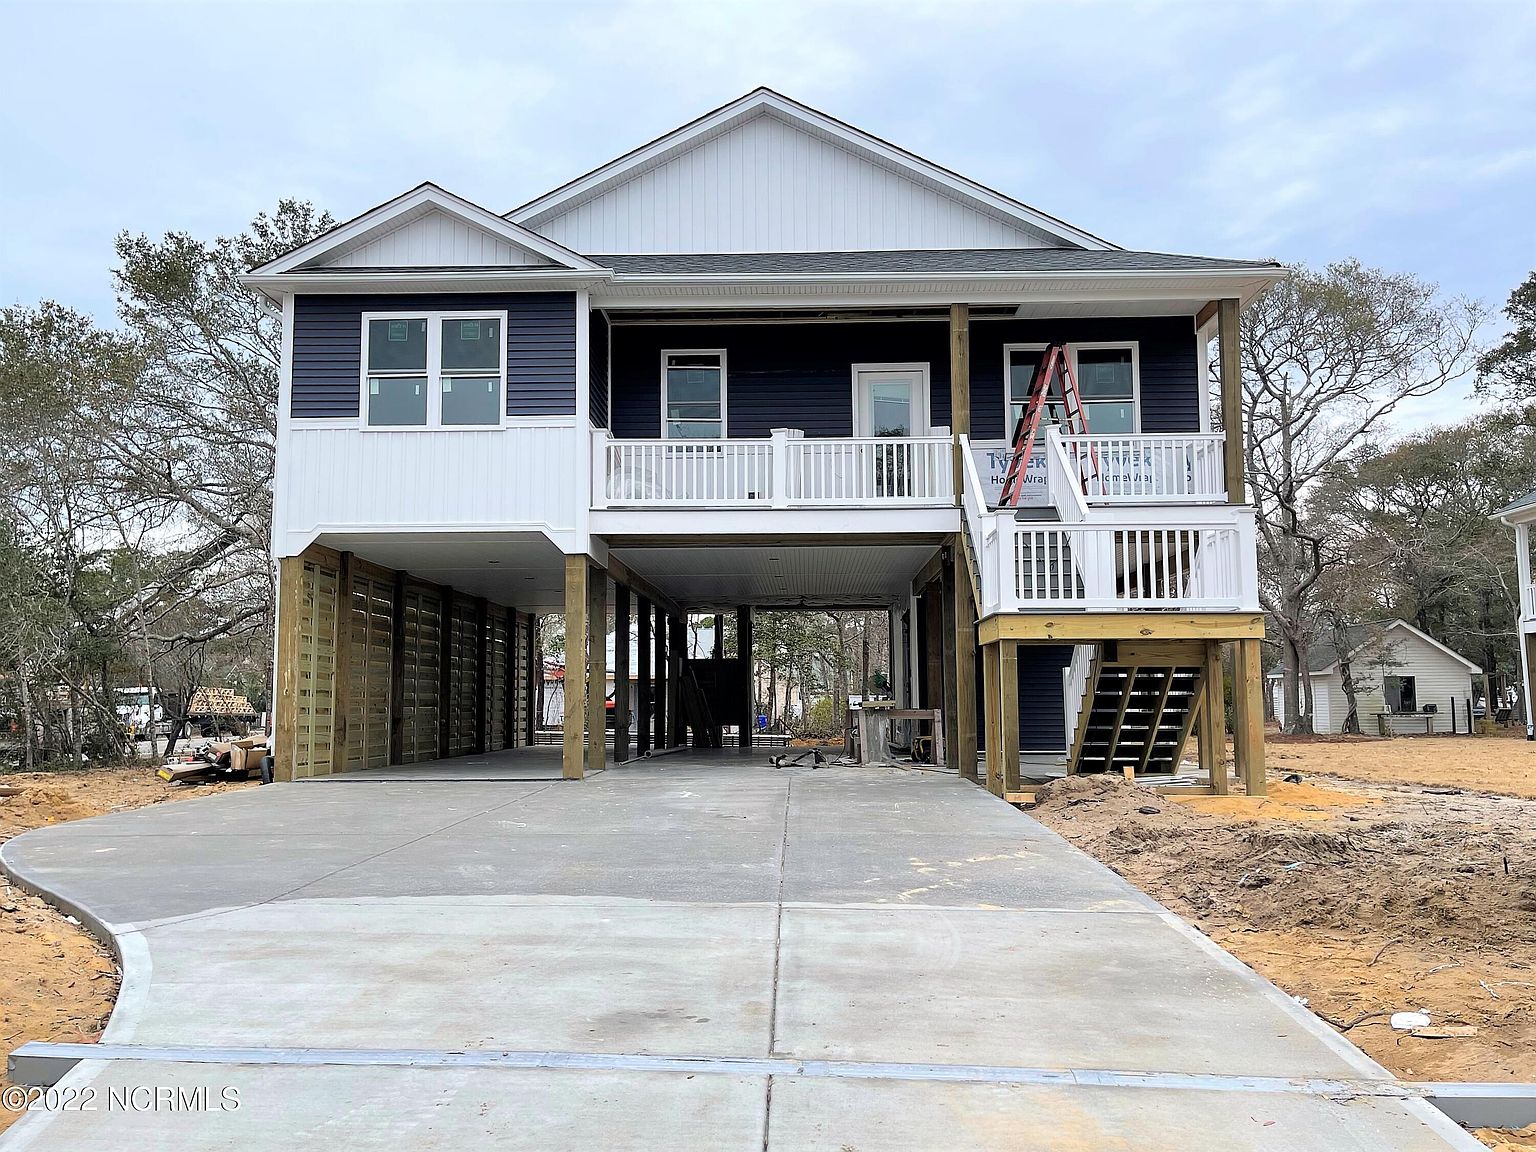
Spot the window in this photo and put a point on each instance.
(1106, 381)
(1401, 693)
(434, 369)
(693, 395)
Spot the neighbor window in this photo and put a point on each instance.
(435, 369)
(693, 395)
(1106, 382)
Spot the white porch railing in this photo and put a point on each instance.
(1195, 566)
(1182, 468)
(787, 470)
(1528, 601)
(870, 470)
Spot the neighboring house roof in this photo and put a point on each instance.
(1526, 504)
(1322, 658)
(471, 228)
(921, 260)
(765, 102)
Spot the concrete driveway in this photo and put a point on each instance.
(696, 952)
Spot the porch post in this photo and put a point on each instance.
(947, 678)
(959, 390)
(620, 673)
(1213, 720)
(659, 694)
(991, 699)
(574, 758)
(677, 648)
(597, 668)
(1008, 714)
(1229, 334)
(643, 626)
(744, 654)
(960, 603)
(1248, 726)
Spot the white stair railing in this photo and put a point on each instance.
(1173, 468)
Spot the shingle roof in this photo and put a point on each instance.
(1526, 501)
(938, 260)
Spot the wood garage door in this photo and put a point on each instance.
(368, 666)
(497, 650)
(315, 670)
(463, 678)
(420, 674)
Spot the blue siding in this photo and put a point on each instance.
(541, 349)
(1170, 391)
(1042, 708)
(784, 375)
(598, 342)
(777, 375)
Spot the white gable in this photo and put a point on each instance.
(434, 240)
(765, 174)
(426, 228)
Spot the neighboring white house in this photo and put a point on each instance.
(1520, 516)
(1400, 673)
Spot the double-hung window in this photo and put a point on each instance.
(434, 369)
(693, 395)
(1106, 382)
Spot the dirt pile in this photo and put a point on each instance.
(1363, 902)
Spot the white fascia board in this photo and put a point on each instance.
(425, 279)
(854, 289)
(405, 205)
(764, 99)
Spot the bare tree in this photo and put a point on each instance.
(1327, 357)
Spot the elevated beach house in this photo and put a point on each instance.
(766, 360)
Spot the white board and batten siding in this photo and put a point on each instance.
(1438, 678)
(436, 240)
(345, 479)
(766, 185)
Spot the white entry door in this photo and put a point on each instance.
(890, 401)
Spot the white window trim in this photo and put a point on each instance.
(724, 377)
(1072, 351)
(921, 423)
(434, 369)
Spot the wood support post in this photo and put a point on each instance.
(597, 669)
(659, 692)
(644, 625)
(744, 654)
(949, 677)
(342, 694)
(621, 701)
(1213, 720)
(577, 605)
(959, 582)
(677, 648)
(1228, 331)
(534, 674)
(1008, 714)
(959, 386)
(1248, 719)
(290, 607)
(991, 709)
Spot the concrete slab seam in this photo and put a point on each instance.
(1330, 1087)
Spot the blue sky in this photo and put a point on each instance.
(1402, 133)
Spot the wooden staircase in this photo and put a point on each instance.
(1139, 706)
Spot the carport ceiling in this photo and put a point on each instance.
(522, 570)
(780, 575)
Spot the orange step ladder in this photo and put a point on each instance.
(1054, 364)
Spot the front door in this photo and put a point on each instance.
(890, 403)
